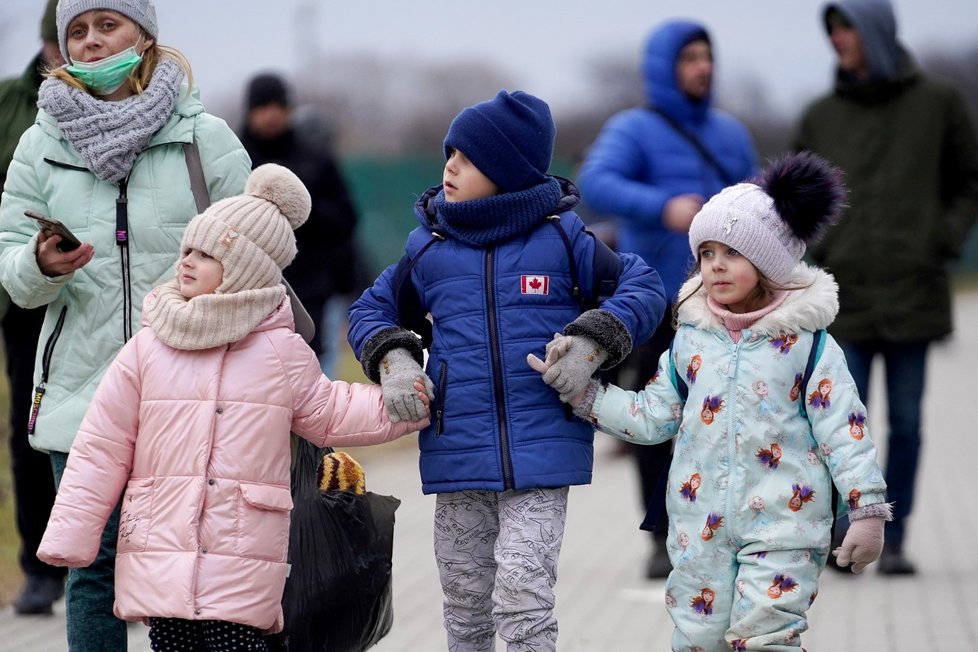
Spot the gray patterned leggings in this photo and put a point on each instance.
(497, 560)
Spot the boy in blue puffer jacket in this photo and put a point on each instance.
(499, 263)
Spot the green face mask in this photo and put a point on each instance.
(107, 75)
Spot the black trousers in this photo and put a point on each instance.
(652, 461)
(33, 480)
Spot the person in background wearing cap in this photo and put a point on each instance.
(219, 376)
(33, 481)
(494, 263)
(328, 261)
(748, 540)
(650, 169)
(910, 155)
(105, 157)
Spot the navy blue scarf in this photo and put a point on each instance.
(490, 220)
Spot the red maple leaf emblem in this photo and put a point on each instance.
(535, 284)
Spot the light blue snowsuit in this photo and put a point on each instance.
(749, 491)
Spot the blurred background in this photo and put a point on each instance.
(379, 82)
(382, 80)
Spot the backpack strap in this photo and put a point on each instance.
(677, 381)
(410, 313)
(606, 268)
(818, 343)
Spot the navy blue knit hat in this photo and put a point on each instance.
(510, 138)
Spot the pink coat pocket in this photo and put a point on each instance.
(135, 515)
(263, 521)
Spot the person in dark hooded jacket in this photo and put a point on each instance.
(495, 263)
(33, 479)
(329, 264)
(651, 169)
(910, 155)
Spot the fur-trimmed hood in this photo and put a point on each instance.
(812, 307)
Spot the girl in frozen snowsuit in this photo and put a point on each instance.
(749, 289)
(192, 420)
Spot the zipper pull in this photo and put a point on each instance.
(35, 407)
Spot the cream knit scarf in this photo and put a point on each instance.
(207, 320)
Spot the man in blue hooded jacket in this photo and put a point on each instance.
(652, 168)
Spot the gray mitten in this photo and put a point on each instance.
(862, 544)
(398, 371)
(570, 374)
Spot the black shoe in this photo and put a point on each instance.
(893, 562)
(38, 595)
(659, 565)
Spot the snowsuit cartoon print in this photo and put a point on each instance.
(748, 551)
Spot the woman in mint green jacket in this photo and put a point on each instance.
(106, 157)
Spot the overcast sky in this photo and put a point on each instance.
(541, 45)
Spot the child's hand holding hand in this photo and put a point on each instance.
(576, 358)
(399, 374)
(556, 348)
(862, 545)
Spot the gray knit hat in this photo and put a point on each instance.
(142, 12)
(771, 221)
(251, 234)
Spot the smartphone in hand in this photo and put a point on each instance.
(68, 240)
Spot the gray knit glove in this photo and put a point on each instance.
(579, 357)
(862, 544)
(398, 371)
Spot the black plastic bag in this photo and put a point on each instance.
(338, 594)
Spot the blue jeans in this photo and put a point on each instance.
(905, 366)
(90, 591)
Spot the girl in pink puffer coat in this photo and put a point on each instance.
(191, 423)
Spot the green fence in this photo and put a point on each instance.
(385, 191)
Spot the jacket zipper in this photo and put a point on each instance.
(122, 240)
(497, 381)
(440, 411)
(731, 420)
(45, 370)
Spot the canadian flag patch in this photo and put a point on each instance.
(535, 284)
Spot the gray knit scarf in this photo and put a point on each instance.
(109, 135)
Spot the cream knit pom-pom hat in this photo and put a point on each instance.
(252, 234)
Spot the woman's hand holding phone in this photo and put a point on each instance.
(54, 262)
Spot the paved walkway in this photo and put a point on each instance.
(604, 604)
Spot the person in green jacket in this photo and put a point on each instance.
(33, 481)
(910, 155)
(105, 156)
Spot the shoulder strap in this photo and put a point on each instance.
(410, 313)
(198, 185)
(728, 179)
(818, 343)
(304, 325)
(605, 269)
(677, 381)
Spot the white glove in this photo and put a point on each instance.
(862, 544)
